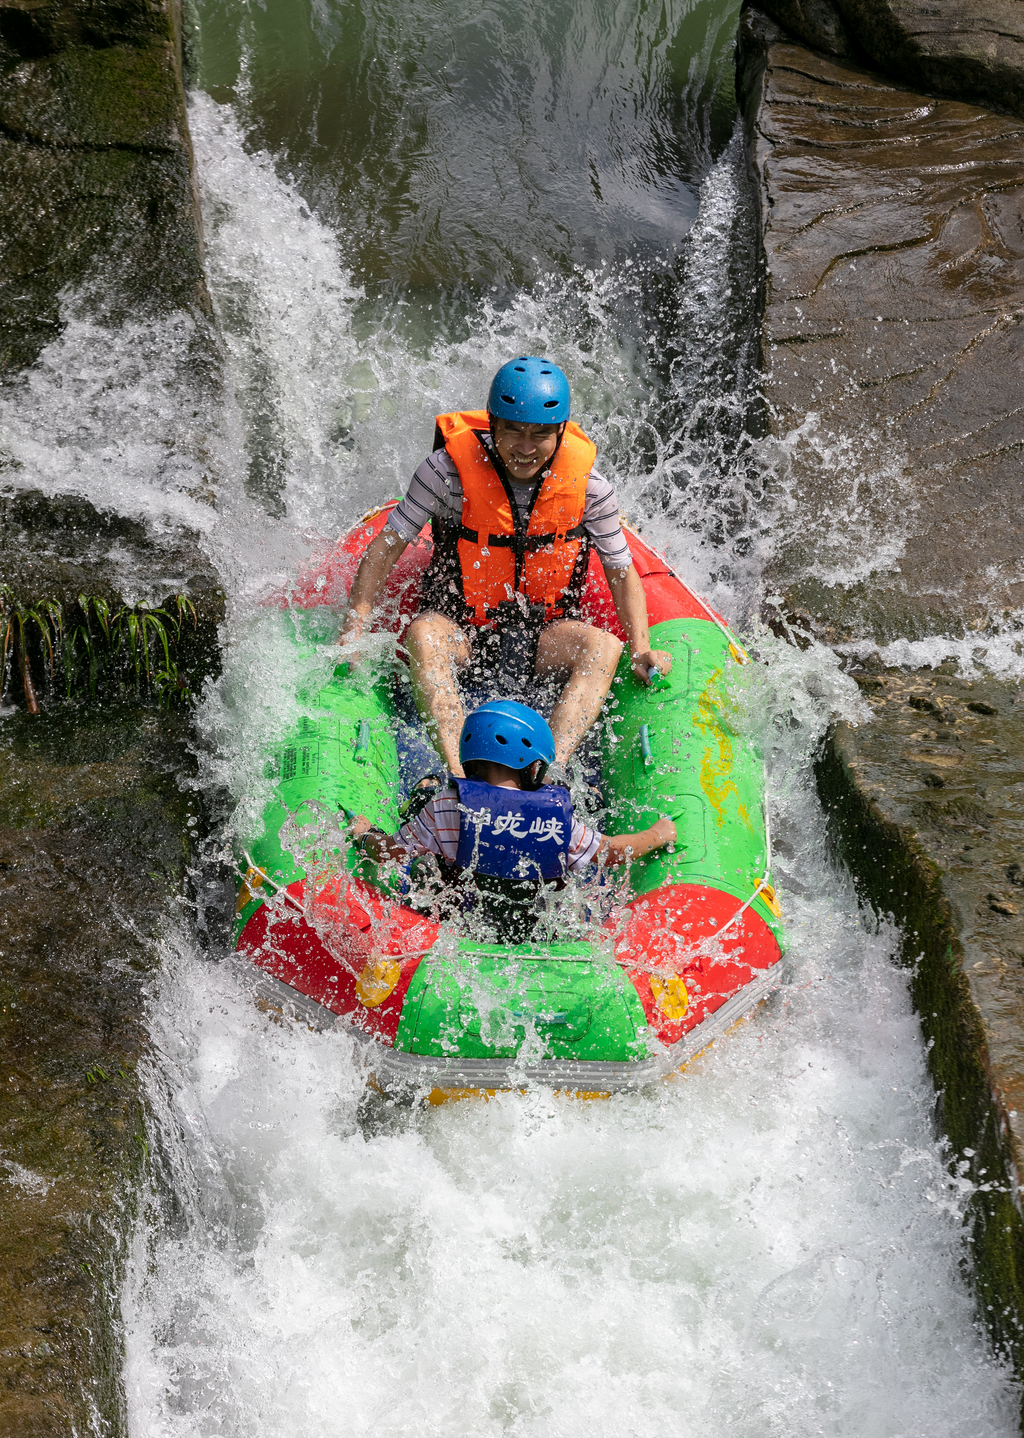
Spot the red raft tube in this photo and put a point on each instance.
(694, 945)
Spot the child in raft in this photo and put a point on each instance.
(499, 824)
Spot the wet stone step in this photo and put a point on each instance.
(93, 844)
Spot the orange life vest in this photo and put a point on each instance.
(496, 558)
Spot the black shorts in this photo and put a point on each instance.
(503, 655)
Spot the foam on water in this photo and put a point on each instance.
(997, 649)
(113, 413)
(864, 505)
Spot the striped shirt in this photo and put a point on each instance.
(435, 830)
(436, 489)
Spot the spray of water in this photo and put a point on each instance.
(768, 1245)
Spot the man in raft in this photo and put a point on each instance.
(514, 504)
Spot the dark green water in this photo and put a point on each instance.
(483, 148)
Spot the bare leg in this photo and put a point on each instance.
(591, 655)
(437, 649)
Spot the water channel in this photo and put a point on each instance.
(396, 197)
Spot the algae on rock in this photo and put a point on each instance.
(95, 168)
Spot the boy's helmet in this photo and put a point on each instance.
(530, 390)
(506, 732)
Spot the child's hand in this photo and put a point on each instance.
(360, 824)
(622, 848)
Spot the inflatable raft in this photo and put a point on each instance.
(693, 945)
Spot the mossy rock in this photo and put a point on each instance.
(83, 881)
(122, 96)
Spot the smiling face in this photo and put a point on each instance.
(525, 448)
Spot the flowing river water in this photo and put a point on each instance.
(396, 197)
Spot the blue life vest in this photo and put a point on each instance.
(514, 834)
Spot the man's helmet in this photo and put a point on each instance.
(530, 390)
(506, 732)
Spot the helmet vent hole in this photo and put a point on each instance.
(501, 738)
(527, 743)
(551, 404)
(520, 369)
(509, 398)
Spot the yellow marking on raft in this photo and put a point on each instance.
(714, 771)
(252, 881)
(438, 1096)
(377, 982)
(768, 895)
(670, 995)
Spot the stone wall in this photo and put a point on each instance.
(97, 213)
(892, 227)
(95, 167)
(893, 234)
(94, 838)
(958, 48)
(925, 807)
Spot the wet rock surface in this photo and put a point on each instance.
(93, 844)
(892, 345)
(59, 547)
(893, 341)
(98, 222)
(927, 808)
(952, 47)
(95, 168)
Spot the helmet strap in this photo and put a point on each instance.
(532, 777)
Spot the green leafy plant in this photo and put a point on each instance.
(100, 652)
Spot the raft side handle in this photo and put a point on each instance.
(645, 745)
(266, 879)
(362, 749)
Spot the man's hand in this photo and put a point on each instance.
(360, 824)
(631, 608)
(351, 631)
(649, 659)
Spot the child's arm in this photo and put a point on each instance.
(621, 848)
(378, 845)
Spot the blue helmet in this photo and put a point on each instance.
(531, 390)
(509, 733)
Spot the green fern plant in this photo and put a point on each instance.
(102, 653)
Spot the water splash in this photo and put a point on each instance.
(120, 415)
